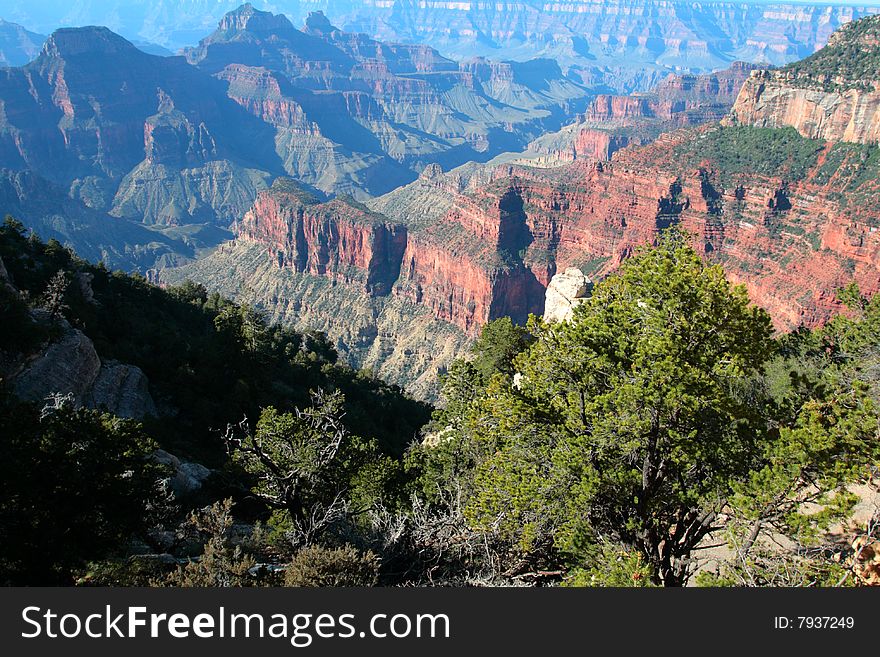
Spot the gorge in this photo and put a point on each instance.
(398, 200)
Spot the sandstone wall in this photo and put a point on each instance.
(770, 100)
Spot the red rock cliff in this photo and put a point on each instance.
(468, 267)
(335, 239)
(793, 244)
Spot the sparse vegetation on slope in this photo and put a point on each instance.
(748, 150)
(851, 60)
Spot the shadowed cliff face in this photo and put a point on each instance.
(787, 233)
(792, 236)
(336, 240)
(465, 272)
(91, 103)
(784, 215)
(792, 218)
(125, 131)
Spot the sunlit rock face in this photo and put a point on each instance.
(566, 291)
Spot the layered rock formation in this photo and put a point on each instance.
(604, 34)
(357, 116)
(792, 218)
(92, 107)
(402, 283)
(611, 122)
(624, 44)
(774, 101)
(470, 247)
(114, 133)
(401, 342)
(833, 95)
(343, 242)
(178, 143)
(341, 268)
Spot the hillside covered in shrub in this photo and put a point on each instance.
(664, 435)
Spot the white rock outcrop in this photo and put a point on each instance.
(123, 390)
(566, 291)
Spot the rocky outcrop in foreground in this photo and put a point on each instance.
(567, 290)
(71, 366)
(68, 367)
(184, 477)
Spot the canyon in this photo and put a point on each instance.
(833, 95)
(792, 217)
(625, 45)
(398, 200)
(612, 122)
(184, 144)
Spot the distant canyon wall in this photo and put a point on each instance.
(579, 32)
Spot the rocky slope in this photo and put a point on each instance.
(119, 243)
(71, 366)
(791, 218)
(354, 115)
(400, 297)
(613, 122)
(794, 219)
(403, 295)
(833, 95)
(605, 35)
(110, 133)
(399, 341)
(466, 267)
(67, 365)
(92, 107)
